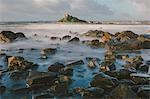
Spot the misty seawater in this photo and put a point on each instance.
(66, 52)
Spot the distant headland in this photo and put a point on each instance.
(70, 19)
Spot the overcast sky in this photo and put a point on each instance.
(31, 10)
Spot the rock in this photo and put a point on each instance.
(68, 71)
(60, 88)
(64, 79)
(126, 82)
(48, 51)
(41, 78)
(18, 75)
(94, 33)
(97, 44)
(122, 57)
(91, 64)
(20, 35)
(106, 37)
(75, 39)
(93, 59)
(123, 92)
(140, 78)
(146, 45)
(121, 74)
(66, 37)
(45, 96)
(70, 19)
(19, 63)
(107, 66)
(103, 81)
(9, 36)
(131, 44)
(2, 89)
(126, 35)
(144, 91)
(93, 92)
(55, 38)
(78, 90)
(56, 67)
(74, 63)
(143, 68)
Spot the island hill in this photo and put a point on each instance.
(70, 19)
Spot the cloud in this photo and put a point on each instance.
(18, 10)
(51, 9)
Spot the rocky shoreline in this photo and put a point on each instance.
(131, 80)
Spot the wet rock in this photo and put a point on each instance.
(131, 44)
(78, 90)
(75, 39)
(123, 92)
(91, 64)
(106, 37)
(74, 63)
(59, 88)
(143, 68)
(93, 92)
(56, 67)
(19, 75)
(127, 82)
(93, 59)
(140, 78)
(66, 37)
(45, 96)
(68, 71)
(55, 38)
(19, 63)
(9, 36)
(48, 51)
(146, 45)
(122, 57)
(20, 35)
(64, 79)
(2, 89)
(126, 35)
(144, 91)
(94, 33)
(97, 44)
(103, 81)
(107, 66)
(121, 74)
(43, 78)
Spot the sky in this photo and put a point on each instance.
(52, 10)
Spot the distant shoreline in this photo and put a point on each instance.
(55, 22)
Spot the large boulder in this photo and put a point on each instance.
(56, 67)
(126, 35)
(41, 78)
(104, 81)
(144, 91)
(94, 33)
(9, 36)
(123, 92)
(131, 44)
(19, 63)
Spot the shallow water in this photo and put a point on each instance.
(66, 52)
